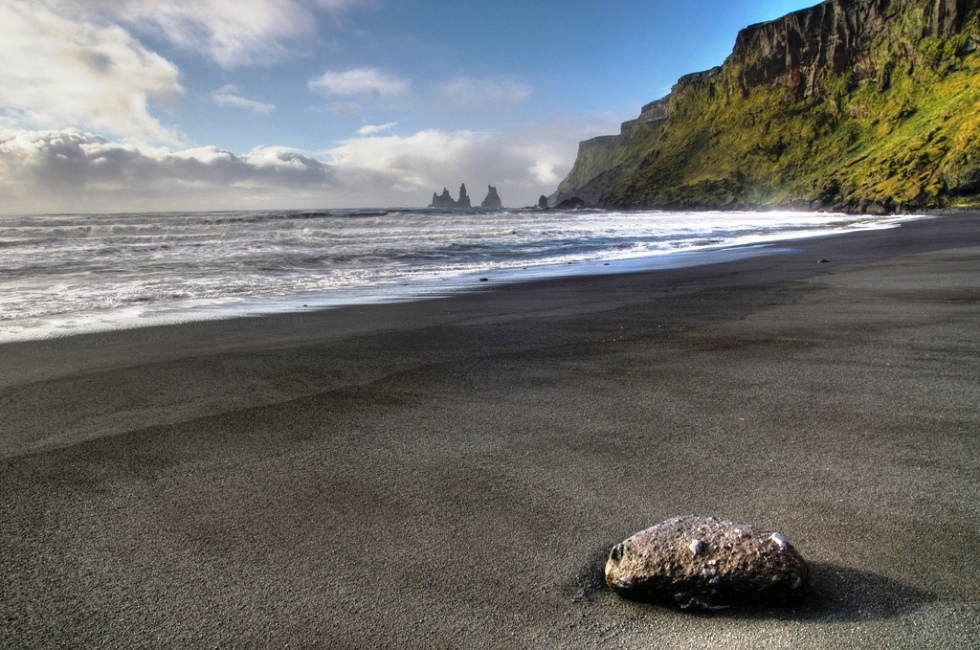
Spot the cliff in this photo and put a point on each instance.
(849, 104)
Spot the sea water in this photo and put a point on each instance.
(72, 273)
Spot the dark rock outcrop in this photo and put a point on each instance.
(704, 564)
(464, 200)
(802, 49)
(846, 104)
(492, 200)
(543, 202)
(445, 200)
(573, 203)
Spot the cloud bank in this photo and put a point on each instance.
(70, 170)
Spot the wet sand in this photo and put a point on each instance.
(452, 473)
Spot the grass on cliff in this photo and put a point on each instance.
(911, 137)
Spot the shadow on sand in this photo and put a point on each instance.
(840, 594)
(845, 594)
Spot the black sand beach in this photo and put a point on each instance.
(452, 473)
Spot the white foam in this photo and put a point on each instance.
(67, 274)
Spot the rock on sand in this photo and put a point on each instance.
(704, 563)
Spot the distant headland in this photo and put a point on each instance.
(852, 105)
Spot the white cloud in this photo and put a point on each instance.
(373, 129)
(228, 96)
(523, 163)
(359, 81)
(73, 170)
(231, 33)
(56, 71)
(468, 92)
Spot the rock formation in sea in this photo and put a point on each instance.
(705, 564)
(445, 200)
(861, 105)
(492, 200)
(543, 202)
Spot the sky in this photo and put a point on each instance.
(160, 105)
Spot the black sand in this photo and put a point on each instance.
(451, 474)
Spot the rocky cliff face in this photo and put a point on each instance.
(837, 37)
(849, 103)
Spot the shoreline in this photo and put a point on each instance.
(128, 306)
(451, 473)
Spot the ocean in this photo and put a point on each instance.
(71, 273)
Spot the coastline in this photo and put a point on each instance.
(118, 274)
(451, 473)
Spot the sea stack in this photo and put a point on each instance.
(493, 199)
(443, 200)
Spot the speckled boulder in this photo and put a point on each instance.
(704, 563)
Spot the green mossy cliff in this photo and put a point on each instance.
(851, 104)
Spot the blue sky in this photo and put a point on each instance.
(132, 105)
